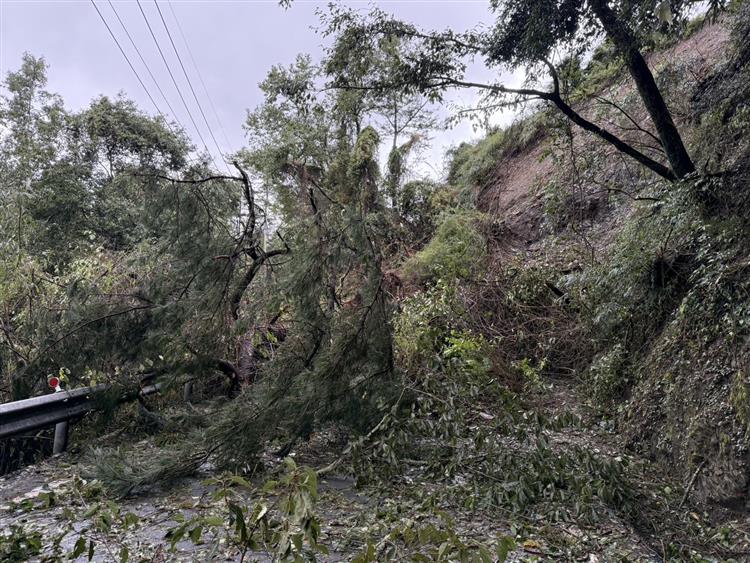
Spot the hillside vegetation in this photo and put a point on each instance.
(543, 355)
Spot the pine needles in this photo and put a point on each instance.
(129, 472)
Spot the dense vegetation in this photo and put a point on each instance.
(572, 357)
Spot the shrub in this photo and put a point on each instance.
(454, 252)
(423, 325)
(740, 397)
(606, 376)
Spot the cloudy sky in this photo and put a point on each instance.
(233, 43)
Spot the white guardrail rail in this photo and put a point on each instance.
(57, 409)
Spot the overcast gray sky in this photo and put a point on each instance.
(234, 44)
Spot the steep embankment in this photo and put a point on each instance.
(660, 286)
(519, 192)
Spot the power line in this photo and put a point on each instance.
(130, 64)
(190, 84)
(150, 97)
(200, 75)
(151, 74)
(174, 81)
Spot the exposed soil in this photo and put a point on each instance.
(515, 198)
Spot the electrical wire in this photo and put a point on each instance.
(187, 78)
(145, 64)
(142, 83)
(124, 54)
(200, 75)
(174, 81)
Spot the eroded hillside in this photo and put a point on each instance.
(579, 210)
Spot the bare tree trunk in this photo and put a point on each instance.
(626, 45)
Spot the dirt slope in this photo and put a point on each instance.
(516, 196)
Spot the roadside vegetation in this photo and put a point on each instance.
(542, 355)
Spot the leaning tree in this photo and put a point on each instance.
(528, 34)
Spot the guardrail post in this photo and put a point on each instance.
(60, 441)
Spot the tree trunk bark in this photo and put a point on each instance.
(626, 45)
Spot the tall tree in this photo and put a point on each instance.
(33, 120)
(404, 117)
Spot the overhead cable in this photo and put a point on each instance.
(200, 76)
(190, 84)
(174, 81)
(148, 68)
(124, 54)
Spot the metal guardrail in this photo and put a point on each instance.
(56, 409)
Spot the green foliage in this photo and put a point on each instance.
(531, 374)
(424, 324)
(607, 377)
(632, 294)
(502, 461)
(282, 521)
(336, 359)
(465, 354)
(83, 279)
(455, 251)
(528, 32)
(130, 472)
(601, 71)
(464, 426)
(720, 105)
(556, 200)
(424, 541)
(429, 337)
(365, 152)
(476, 165)
(17, 545)
(112, 270)
(419, 206)
(740, 398)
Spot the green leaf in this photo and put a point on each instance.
(240, 481)
(297, 540)
(91, 511)
(130, 519)
(79, 548)
(195, 534)
(240, 526)
(504, 547)
(443, 549)
(290, 464)
(213, 521)
(270, 486)
(177, 534)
